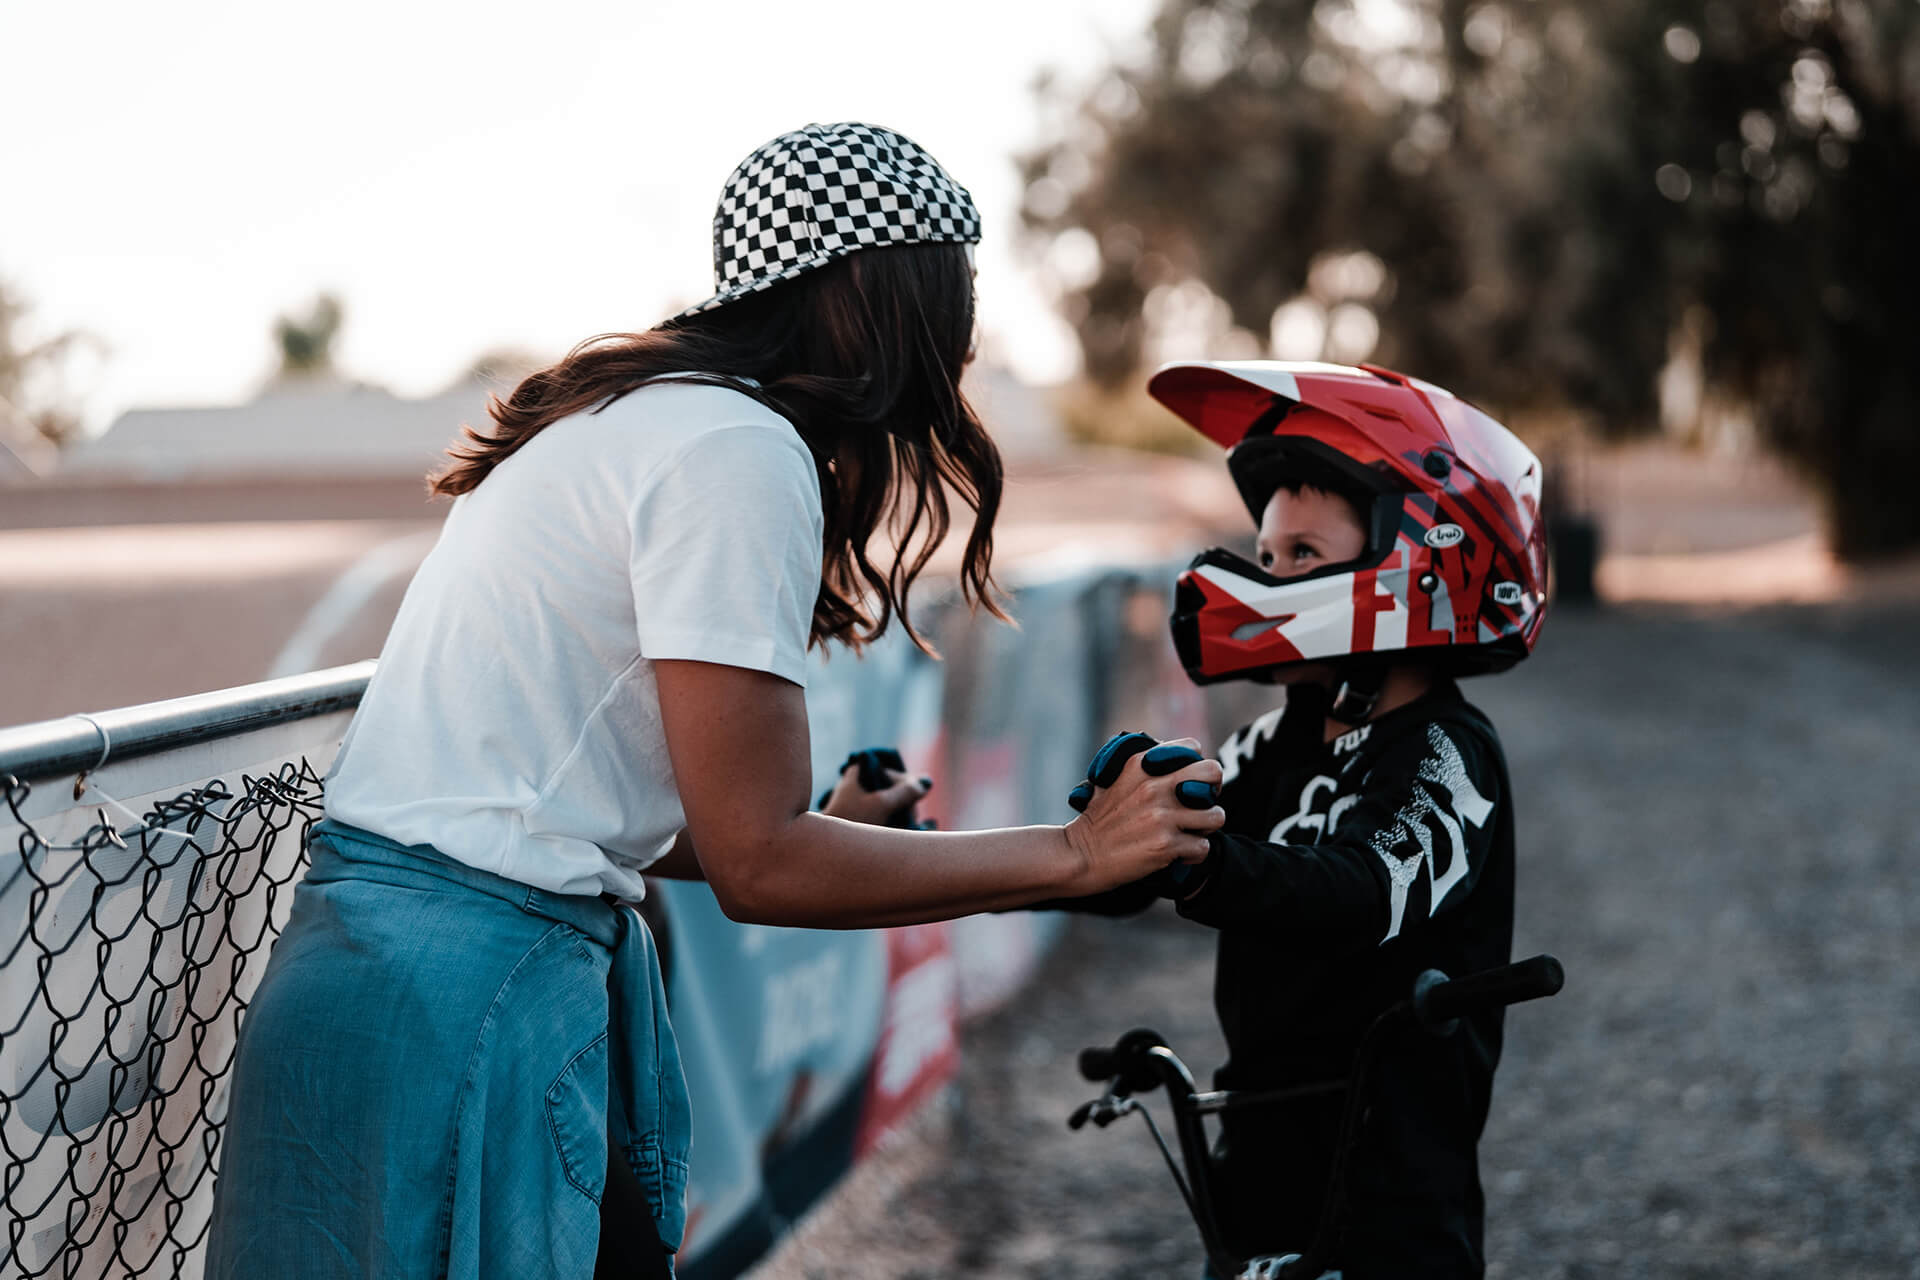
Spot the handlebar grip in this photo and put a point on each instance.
(1097, 1064)
(1437, 999)
(1080, 797)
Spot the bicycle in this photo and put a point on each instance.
(1141, 1061)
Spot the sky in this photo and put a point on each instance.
(468, 177)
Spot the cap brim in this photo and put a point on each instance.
(751, 287)
(797, 269)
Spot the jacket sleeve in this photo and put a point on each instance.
(1408, 845)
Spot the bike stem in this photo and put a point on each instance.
(1310, 1264)
(1173, 1076)
(1190, 1105)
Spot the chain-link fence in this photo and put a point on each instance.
(135, 922)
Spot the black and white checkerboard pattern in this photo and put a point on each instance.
(812, 195)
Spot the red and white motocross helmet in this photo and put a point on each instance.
(1455, 565)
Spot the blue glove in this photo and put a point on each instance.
(1157, 759)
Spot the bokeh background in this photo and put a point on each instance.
(258, 264)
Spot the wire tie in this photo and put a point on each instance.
(106, 742)
(138, 821)
(113, 836)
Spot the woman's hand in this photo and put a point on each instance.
(855, 803)
(1138, 826)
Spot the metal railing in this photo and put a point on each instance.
(150, 854)
(80, 743)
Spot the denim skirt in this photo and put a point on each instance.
(426, 1076)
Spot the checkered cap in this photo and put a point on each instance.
(821, 192)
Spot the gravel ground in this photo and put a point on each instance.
(1717, 819)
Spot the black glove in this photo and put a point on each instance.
(874, 764)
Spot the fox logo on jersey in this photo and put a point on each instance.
(1444, 794)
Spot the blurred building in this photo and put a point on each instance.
(328, 448)
(308, 426)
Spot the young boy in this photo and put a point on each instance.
(1370, 824)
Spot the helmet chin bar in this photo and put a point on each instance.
(1232, 620)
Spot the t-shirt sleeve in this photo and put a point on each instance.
(1409, 847)
(726, 552)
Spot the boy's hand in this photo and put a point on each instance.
(1136, 824)
(875, 788)
(1178, 879)
(1158, 759)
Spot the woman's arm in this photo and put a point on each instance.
(739, 746)
(848, 800)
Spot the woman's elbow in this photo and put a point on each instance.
(739, 907)
(745, 885)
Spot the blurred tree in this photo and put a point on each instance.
(1530, 200)
(1284, 150)
(1788, 137)
(30, 417)
(306, 341)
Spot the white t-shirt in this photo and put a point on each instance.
(513, 722)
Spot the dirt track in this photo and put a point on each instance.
(1718, 820)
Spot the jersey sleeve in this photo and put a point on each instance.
(1410, 844)
(726, 551)
(1238, 783)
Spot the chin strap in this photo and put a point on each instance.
(1358, 692)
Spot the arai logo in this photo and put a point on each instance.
(1507, 593)
(1445, 535)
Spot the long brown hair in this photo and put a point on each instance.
(863, 356)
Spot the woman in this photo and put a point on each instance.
(598, 671)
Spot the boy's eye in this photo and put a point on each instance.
(1302, 551)
(1266, 559)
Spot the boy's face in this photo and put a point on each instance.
(1306, 530)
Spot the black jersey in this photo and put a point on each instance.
(1346, 868)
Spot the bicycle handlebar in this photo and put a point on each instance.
(1140, 1061)
(1438, 1000)
(1121, 1059)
